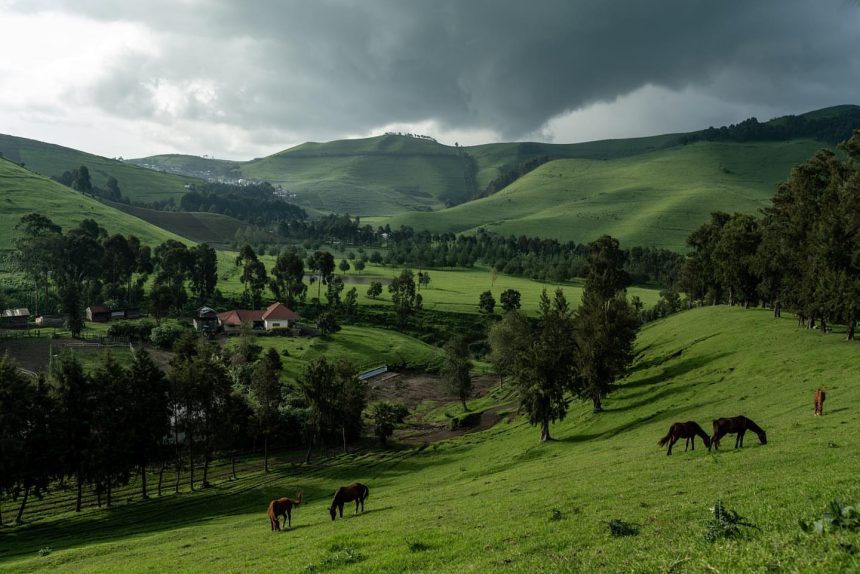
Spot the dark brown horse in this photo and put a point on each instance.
(687, 430)
(283, 507)
(355, 491)
(736, 425)
(819, 402)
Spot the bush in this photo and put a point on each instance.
(838, 516)
(724, 523)
(165, 335)
(466, 420)
(138, 330)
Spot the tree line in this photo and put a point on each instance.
(98, 429)
(802, 253)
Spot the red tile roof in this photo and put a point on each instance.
(278, 312)
(274, 312)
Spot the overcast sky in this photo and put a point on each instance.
(243, 79)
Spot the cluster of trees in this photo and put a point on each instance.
(79, 180)
(510, 173)
(257, 204)
(802, 254)
(570, 353)
(834, 128)
(101, 428)
(84, 265)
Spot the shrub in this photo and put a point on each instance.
(466, 420)
(838, 516)
(166, 335)
(724, 523)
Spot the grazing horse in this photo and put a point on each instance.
(355, 491)
(687, 430)
(736, 425)
(283, 507)
(819, 402)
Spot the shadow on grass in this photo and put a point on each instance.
(247, 495)
(662, 414)
(676, 370)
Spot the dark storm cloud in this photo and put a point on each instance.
(333, 67)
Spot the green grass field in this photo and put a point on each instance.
(499, 501)
(23, 192)
(135, 182)
(655, 199)
(455, 290)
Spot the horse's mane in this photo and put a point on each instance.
(754, 427)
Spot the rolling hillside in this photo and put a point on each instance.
(654, 199)
(499, 501)
(23, 192)
(136, 183)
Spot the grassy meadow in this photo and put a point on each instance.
(499, 501)
(653, 199)
(135, 182)
(23, 192)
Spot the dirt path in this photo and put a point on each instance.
(413, 390)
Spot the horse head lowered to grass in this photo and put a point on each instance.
(355, 491)
(736, 425)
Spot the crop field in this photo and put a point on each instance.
(135, 182)
(499, 501)
(655, 199)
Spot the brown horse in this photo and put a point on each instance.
(355, 491)
(736, 425)
(687, 430)
(283, 507)
(819, 402)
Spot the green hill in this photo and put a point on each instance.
(655, 198)
(136, 183)
(499, 501)
(23, 192)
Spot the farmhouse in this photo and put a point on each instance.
(275, 316)
(98, 314)
(15, 318)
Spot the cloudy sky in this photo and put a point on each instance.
(242, 79)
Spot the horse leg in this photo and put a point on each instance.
(289, 518)
(340, 508)
(356, 506)
(671, 442)
(362, 504)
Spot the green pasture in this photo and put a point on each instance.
(654, 199)
(449, 290)
(500, 501)
(23, 192)
(136, 183)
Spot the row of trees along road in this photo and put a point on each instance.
(579, 353)
(99, 428)
(803, 254)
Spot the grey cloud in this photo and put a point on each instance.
(331, 67)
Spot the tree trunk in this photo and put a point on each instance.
(823, 324)
(206, 460)
(233, 465)
(463, 400)
(80, 491)
(598, 405)
(852, 326)
(161, 477)
(544, 431)
(343, 434)
(109, 491)
(143, 493)
(777, 309)
(178, 471)
(308, 457)
(20, 517)
(191, 461)
(265, 454)
(1, 514)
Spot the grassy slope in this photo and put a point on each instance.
(23, 192)
(380, 175)
(486, 501)
(201, 227)
(653, 199)
(135, 182)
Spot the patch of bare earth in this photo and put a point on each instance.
(414, 389)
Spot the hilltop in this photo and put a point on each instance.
(136, 183)
(499, 500)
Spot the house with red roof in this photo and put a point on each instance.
(275, 316)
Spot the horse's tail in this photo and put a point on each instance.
(366, 492)
(665, 439)
(299, 499)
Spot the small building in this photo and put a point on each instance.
(15, 318)
(47, 321)
(98, 314)
(118, 314)
(275, 316)
(206, 320)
